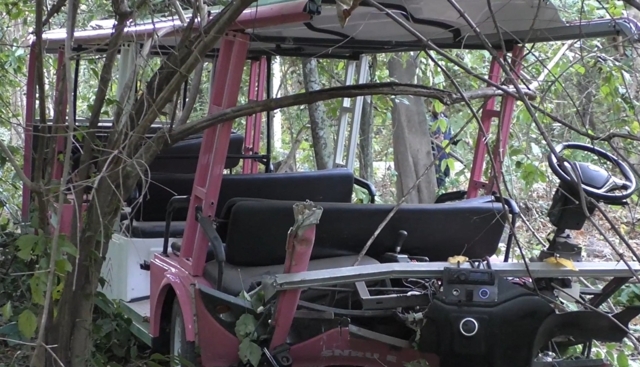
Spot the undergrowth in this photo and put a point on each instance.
(115, 345)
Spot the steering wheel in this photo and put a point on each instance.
(596, 182)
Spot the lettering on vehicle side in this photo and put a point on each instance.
(357, 354)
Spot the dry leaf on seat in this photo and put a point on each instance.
(562, 262)
(457, 259)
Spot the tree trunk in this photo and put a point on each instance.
(365, 144)
(72, 329)
(320, 124)
(412, 152)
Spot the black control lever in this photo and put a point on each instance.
(402, 236)
(396, 257)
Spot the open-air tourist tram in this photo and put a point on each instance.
(192, 283)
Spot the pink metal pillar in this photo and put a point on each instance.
(61, 86)
(225, 87)
(506, 117)
(299, 245)
(29, 117)
(257, 81)
(476, 182)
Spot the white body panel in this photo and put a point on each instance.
(121, 269)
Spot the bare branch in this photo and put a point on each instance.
(349, 91)
(213, 32)
(123, 14)
(14, 164)
(179, 11)
(38, 356)
(55, 9)
(633, 3)
(194, 91)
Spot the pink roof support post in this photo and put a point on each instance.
(506, 117)
(225, 87)
(257, 81)
(489, 112)
(300, 240)
(29, 117)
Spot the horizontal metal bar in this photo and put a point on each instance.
(435, 269)
(389, 340)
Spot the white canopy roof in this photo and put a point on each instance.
(370, 31)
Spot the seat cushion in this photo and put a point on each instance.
(239, 278)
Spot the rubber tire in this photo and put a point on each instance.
(187, 348)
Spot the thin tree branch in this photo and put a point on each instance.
(14, 164)
(123, 14)
(192, 97)
(179, 11)
(633, 3)
(55, 9)
(213, 32)
(38, 359)
(349, 91)
(430, 46)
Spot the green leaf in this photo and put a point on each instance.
(245, 296)
(609, 354)
(249, 352)
(437, 106)
(451, 163)
(67, 247)
(25, 244)
(63, 266)
(635, 127)
(157, 357)
(27, 324)
(245, 326)
(622, 360)
(37, 289)
(57, 291)
(133, 352)
(7, 312)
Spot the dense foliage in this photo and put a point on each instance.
(592, 87)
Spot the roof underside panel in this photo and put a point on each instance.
(281, 27)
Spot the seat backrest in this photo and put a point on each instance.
(332, 185)
(183, 156)
(335, 185)
(256, 233)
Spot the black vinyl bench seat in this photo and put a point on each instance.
(256, 234)
(472, 228)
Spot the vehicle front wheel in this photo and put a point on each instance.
(178, 345)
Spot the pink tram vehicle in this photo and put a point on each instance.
(263, 268)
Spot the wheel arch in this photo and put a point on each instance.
(172, 288)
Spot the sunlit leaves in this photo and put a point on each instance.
(27, 324)
(7, 312)
(26, 244)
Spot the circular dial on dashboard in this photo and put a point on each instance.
(468, 327)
